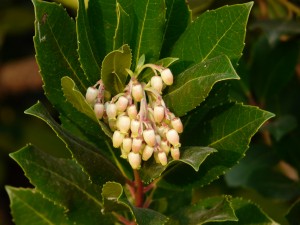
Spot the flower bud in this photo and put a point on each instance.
(164, 145)
(122, 104)
(162, 157)
(117, 139)
(134, 127)
(136, 145)
(159, 113)
(157, 83)
(134, 160)
(99, 110)
(167, 76)
(111, 110)
(149, 137)
(137, 92)
(173, 137)
(123, 124)
(158, 139)
(177, 124)
(162, 130)
(132, 111)
(175, 153)
(91, 95)
(126, 145)
(147, 152)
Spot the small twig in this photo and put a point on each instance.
(139, 194)
(123, 220)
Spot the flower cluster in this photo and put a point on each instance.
(142, 125)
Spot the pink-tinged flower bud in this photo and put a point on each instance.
(173, 137)
(157, 83)
(149, 137)
(162, 157)
(122, 104)
(147, 152)
(167, 76)
(134, 127)
(175, 153)
(111, 110)
(126, 145)
(164, 145)
(159, 113)
(136, 145)
(162, 130)
(91, 95)
(132, 111)
(177, 124)
(137, 92)
(99, 110)
(123, 124)
(117, 139)
(134, 160)
(158, 139)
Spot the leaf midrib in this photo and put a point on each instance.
(63, 55)
(219, 40)
(67, 181)
(35, 211)
(238, 130)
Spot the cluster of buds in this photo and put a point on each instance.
(142, 125)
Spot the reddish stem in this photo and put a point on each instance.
(123, 220)
(139, 194)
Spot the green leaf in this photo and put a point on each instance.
(64, 182)
(211, 34)
(103, 22)
(94, 161)
(213, 209)
(123, 29)
(192, 86)
(89, 57)
(192, 156)
(258, 171)
(248, 214)
(113, 73)
(178, 16)
(55, 44)
(228, 129)
(293, 214)
(79, 102)
(114, 198)
(272, 68)
(166, 62)
(150, 19)
(29, 207)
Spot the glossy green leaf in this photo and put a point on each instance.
(55, 44)
(102, 19)
(88, 56)
(228, 129)
(64, 182)
(115, 198)
(166, 62)
(213, 209)
(78, 101)
(94, 161)
(29, 207)
(192, 156)
(248, 214)
(178, 16)
(113, 73)
(150, 20)
(192, 86)
(293, 215)
(123, 29)
(216, 32)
